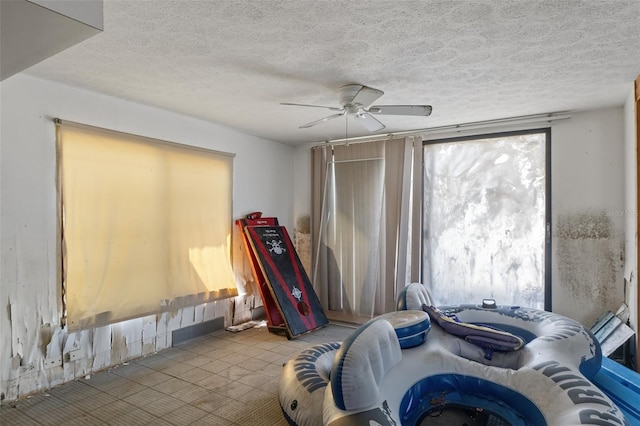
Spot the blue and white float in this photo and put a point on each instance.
(539, 378)
(303, 383)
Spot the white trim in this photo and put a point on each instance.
(491, 126)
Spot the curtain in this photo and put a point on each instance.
(360, 225)
(320, 157)
(146, 225)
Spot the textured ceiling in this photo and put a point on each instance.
(233, 62)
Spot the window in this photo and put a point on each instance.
(145, 225)
(486, 207)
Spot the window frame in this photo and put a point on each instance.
(548, 202)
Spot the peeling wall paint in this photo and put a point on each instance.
(631, 207)
(588, 209)
(36, 352)
(302, 243)
(584, 226)
(587, 178)
(87, 351)
(590, 259)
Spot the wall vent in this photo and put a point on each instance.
(191, 332)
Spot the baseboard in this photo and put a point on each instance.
(258, 313)
(191, 332)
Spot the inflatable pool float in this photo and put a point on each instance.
(543, 383)
(303, 383)
(412, 297)
(305, 377)
(372, 380)
(410, 327)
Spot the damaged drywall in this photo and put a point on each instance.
(244, 280)
(36, 350)
(302, 242)
(590, 258)
(584, 226)
(588, 214)
(59, 356)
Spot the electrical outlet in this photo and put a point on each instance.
(55, 361)
(75, 355)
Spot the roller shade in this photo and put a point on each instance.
(145, 225)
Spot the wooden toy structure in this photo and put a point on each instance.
(290, 302)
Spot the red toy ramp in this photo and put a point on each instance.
(286, 279)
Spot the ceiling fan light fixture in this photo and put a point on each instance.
(369, 122)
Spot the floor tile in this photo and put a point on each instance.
(126, 388)
(58, 416)
(185, 415)
(190, 394)
(224, 378)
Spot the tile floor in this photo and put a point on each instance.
(222, 378)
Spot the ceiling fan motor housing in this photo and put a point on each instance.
(347, 95)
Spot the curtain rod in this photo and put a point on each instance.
(513, 121)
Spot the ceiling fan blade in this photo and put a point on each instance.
(369, 122)
(418, 110)
(365, 96)
(312, 106)
(322, 120)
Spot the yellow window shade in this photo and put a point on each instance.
(146, 225)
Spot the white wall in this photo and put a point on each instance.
(302, 183)
(588, 209)
(588, 197)
(631, 208)
(30, 307)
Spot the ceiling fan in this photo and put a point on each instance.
(355, 100)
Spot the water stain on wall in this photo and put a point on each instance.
(589, 260)
(584, 226)
(302, 242)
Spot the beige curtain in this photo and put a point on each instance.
(357, 216)
(146, 225)
(415, 207)
(320, 157)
